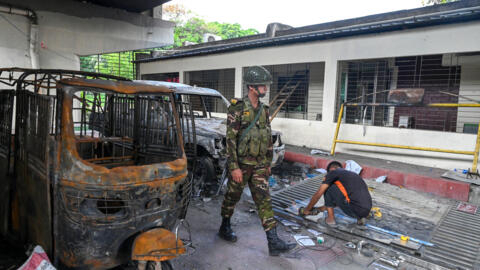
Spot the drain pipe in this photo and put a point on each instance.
(33, 33)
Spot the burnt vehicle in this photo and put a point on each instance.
(92, 197)
(210, 130)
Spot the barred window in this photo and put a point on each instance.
(297, 90)
(443, 78)
(222, 80)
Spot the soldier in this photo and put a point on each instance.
(250, 152)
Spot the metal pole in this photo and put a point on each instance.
(339, 120)
(475, 155)
(408, 147)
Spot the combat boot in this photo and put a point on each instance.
(226, 232)
(275, 244)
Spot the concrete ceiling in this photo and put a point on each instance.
(132, 6)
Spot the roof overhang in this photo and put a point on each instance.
(456, 12)
(132, 6)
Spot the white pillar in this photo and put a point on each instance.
(330, 90)
(238, 82)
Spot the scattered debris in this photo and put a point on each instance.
(38, 260)
(350, 245)
(320, 239)
(207, 199)
(304, 240)
(321, 170)
(381, 179)
(315, 233)
(285, 222)
(319, 152)
(272, 181)
(376, 213)
(467, 208)
(353, 166)
(390, 261)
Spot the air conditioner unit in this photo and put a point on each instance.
(210, 37)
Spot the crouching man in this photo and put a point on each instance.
(344, 189)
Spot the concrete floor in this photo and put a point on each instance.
(250, 251)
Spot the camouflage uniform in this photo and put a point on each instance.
(253, 155)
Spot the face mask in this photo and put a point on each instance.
(258, 93)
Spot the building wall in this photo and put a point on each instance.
(67, 29)
(469, 90)
(315, 91)
(14, 45)
(319, 134)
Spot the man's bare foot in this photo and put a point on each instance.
(330, 221)
(361, 221)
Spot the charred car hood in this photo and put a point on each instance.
(215, 127)
(211, 127)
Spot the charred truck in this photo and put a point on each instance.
(93, 194)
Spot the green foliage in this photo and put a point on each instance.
(194, 29)
(118, 64)
(436, 2)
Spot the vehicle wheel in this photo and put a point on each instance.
(166, 265)
(204, 177)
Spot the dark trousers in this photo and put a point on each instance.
(334, 197)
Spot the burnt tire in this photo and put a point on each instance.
(166, 265)
(204, 177)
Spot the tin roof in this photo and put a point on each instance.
(455, 12)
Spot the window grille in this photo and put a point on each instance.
(445, 78)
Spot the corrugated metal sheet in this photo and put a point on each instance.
(301, 191)
(457, 240)
(456, 236)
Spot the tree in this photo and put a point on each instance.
(190, 27)
(175, 13)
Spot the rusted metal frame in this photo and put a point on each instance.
(8, 100)
(206, 113)
(93, 111)
(167, 137)
(107, 139)
(63, 72)
(180, 141)
(137, 128)
(194, 130)
(148, 123)
(188, 125)
(108, 158)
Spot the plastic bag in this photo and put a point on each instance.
(353, 166)
(37, 261)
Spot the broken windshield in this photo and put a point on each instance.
(114, 129)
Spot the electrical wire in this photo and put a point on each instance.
(296, 254)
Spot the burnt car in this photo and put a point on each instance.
(93, 195)
(210, 130)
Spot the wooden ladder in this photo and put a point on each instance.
(282, 96)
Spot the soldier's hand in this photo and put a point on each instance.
(237, 175)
